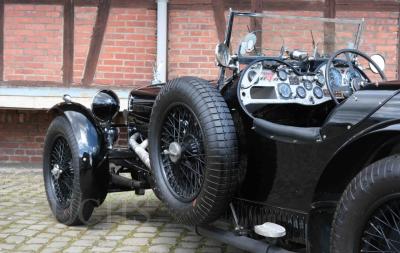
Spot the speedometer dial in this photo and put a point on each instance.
(335, 78)
(351, 74)
(284, 90)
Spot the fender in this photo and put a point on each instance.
(89, 136)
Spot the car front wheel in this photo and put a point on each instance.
(61, 174)
(367, 218)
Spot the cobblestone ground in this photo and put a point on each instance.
(124, 223)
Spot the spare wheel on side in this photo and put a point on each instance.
(193, 151)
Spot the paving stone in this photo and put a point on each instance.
(57, 245)
(38, 240)
(146, 235)
(136, 241)
(160, 248)
(147, 229)
(75, 249)
(30, 247)
(15, 239)
(101, 249)
(128, 249)
(184, 250)
(5, 246)
(83, 243)
(170, 234)
(50, 250)
(164, 240)
(124, 223)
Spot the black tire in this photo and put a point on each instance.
(63, 190)
(210, 150)
(372, 196)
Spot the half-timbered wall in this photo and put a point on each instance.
(35, 50)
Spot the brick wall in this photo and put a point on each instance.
(33, 51)
(32, 42)
(22, 135)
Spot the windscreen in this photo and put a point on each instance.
(273, 35)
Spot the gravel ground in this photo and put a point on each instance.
(123, 223)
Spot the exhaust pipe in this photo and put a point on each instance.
(241, 242)
(140, 149)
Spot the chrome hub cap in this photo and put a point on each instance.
(174, 151)
(56, 171)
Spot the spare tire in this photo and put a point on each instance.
(193, 151)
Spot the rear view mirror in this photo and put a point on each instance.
(379, 60)
(222, 55)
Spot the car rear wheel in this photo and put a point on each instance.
(367, 218)
(193, 150)
(62, 175)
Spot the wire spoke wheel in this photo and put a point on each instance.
(382, 231)
(61, 171)
(182, 153)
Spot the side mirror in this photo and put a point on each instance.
(248, 44)
(379, 60)
(222, 55)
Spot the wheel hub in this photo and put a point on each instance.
(56, 171)
(174, 151)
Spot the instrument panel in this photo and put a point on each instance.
(262, 85)
(282, 85)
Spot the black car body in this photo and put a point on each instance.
(296, 159)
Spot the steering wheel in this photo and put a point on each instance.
(348, 53)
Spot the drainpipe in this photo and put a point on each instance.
(160, 70)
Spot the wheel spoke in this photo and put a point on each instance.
(61, 163)
(185, 174)
(382, 233)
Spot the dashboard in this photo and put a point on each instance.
(263, 84)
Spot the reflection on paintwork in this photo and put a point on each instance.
(85, 134)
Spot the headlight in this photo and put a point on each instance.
(105, 105)
(222, 55)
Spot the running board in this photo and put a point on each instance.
(241, 242)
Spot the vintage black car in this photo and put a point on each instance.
(296, 144)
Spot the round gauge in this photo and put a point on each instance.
(351, 74)
(284, 90)
(307, 84)
(335, 77)
(294, 80)
(301, 92)
(318, 93)
(251, 75)
(320, 79)
(282, 74)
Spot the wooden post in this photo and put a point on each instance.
(1, 40)
(256, 23)
(329, 28)
(68, 45)
(219, 17)
(103, 11)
